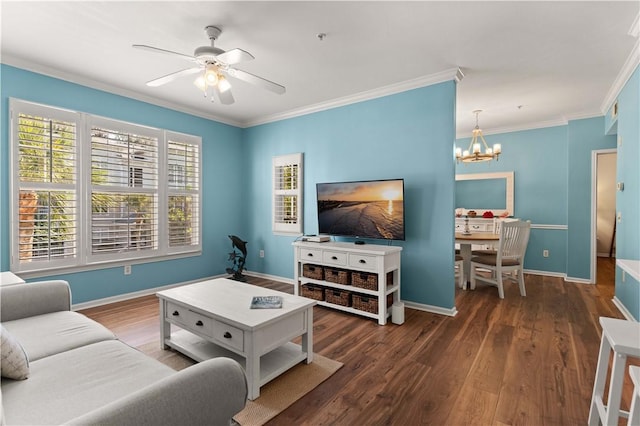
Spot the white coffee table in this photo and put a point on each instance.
(215, 320)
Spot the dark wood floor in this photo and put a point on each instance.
(524, 361)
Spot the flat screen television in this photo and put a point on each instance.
(362, 209)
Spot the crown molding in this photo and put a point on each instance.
(634, 30)
(633, 60)
(535, 125)
(392, 89)
(94, 84)
(518, 128)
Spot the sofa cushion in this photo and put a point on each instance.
(72, 383)
(14, 363)
(48, 334)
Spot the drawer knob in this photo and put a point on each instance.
(176, 313)
(362, 261)
(227, 335)
(334, 258)
(199, 323)
(310, 254)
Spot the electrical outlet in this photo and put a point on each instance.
(261, 253)
(619, 217)
(545, 253)
(127, 269)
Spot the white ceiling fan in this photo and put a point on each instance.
(214, 65)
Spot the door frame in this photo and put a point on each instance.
(594, 207)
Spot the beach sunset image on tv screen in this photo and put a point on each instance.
(365, 209)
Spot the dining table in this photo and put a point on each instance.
(466, 240)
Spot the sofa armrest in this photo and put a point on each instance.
(31, 299)
(207, 393)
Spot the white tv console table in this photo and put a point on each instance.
(384, 261)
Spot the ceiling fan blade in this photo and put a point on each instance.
(258, 81)
(170, 77)
(234, 56)
(167, 52)
(225, 97)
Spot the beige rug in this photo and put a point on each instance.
(286, 389)
(275, 396)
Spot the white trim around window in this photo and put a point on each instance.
(287, 185)
(88, 191)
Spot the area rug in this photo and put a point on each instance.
(286, 389)
(275, 396)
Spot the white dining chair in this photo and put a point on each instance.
(459, 271)
(508, 259)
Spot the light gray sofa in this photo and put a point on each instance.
(80, 373)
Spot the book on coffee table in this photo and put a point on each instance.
(266, 302)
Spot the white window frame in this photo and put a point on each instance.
(92, 121)
(85, 260)
(194, 192)
(279, 227)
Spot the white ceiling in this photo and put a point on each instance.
(557, 60)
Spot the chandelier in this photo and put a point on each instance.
(474, 153)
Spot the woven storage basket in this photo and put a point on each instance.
(364, 280)
(338, 276)
(312, 292)
(337, 297)
(312, 271)
(368, 303)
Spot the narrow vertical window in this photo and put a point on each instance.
(287, 194)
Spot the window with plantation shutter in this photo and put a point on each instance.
(287, 194)
(124, 188)
(183, 168)
(87, 190)
(45, 159)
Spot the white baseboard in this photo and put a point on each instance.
(545, 273)
(133, 295)
(623, 310)
(579, 280)
(270, 277)
(430, 308)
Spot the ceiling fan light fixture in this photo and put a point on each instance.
(223, 84)
(200, 83)
(211, 75)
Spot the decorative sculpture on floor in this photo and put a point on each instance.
(238, 259)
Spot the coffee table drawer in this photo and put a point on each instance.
(177, 313)
(228, 335)
(189, 320)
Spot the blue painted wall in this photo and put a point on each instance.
(628, 201)
(583, 137)
(551, 189)
(404, 135)
(407, 135)
(222, 184)
(540, 188)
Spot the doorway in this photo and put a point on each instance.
(603, 212)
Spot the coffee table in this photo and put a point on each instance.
(215, 319)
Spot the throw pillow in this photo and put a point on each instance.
(14, 363)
